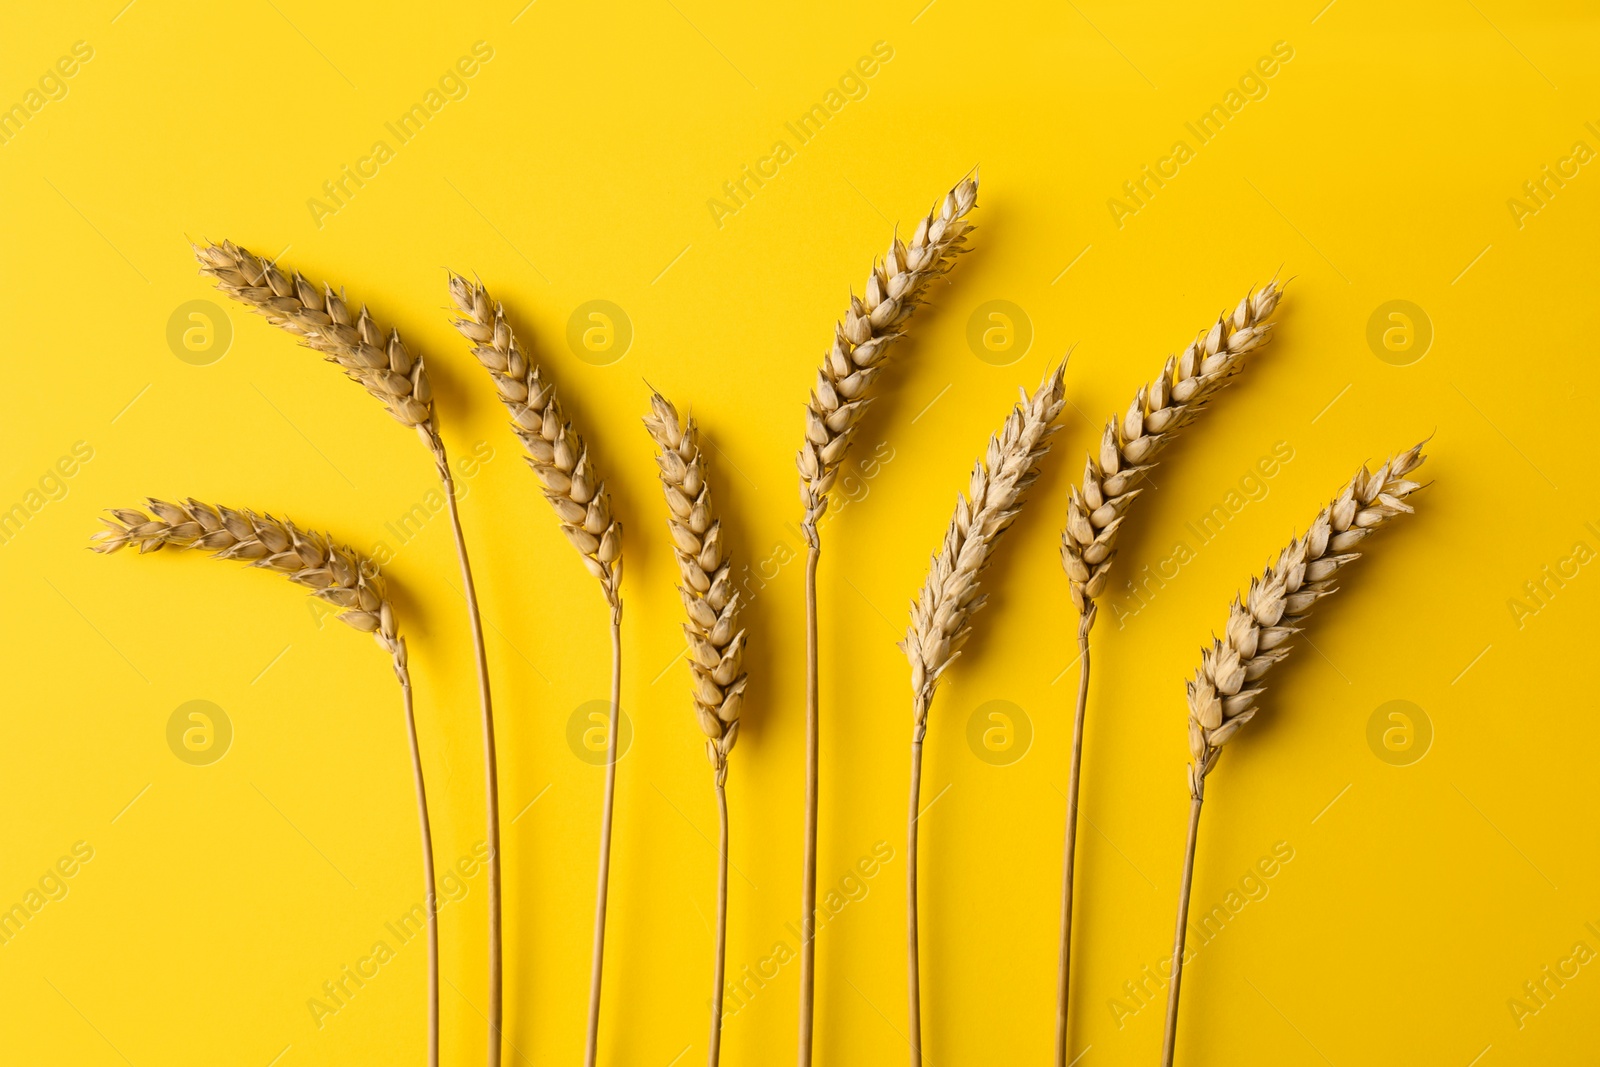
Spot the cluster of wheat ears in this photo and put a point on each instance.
(1222, 697)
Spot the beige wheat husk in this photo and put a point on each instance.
(716, 638)
(336, 574)
(950, 596)
(382, 364)
(941, 615)
(555, 451)
(322, 320)
(1261, 626)
(1112, 479)
(896, 287)
(1131, 443)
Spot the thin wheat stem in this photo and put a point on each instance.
(1070, 850)
(714, 1056)
(432, 904)
(1170, 1040)
(913, 964)
(491, 763)
(602, 889)
(808, 888)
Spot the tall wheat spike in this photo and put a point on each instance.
(1112, 480)
(941, 615)
(334, 573)
(895, 288)
(560, 460)
(382, 363)
(1261, 628)
(716, 637)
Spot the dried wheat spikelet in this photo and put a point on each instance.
(555, 451)
(1261, 626)
(1130, 444)
(379, 360)
(940, 615)
(716, 640)
(337, 574)
(894, 290)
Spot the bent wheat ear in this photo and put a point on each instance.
(895, 288)
(941, 615)
(860, 343)
(716, 640)
(555, 451)
(1132, 442)
(336, 574)
(1261, 628)
(1128, 449)
(322, 320)
(398, 378)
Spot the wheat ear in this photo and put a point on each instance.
(382, 363)
(560, 460)
(1129, 448)
(555, 451)
(1260, 632)
(896, 287)
(337, 575)
(716, 639)
(942, 614)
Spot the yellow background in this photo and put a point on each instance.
(1378, 166)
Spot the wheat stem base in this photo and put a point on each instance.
(1069, 852)
(1169, 1042)
(714, 1055)
(490, 761)
(913, 963)
(808, 884)
(602, 888)
(431, 899)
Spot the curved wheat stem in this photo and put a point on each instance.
(398, 378)
(716, 639)
(1260, 632)
(941, 615)
(1129, 448)
(335, 574)
(559, 458)
(895, 289)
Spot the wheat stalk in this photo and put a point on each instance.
(942, 614)
(716, 640)
(1260, 632)
(335, 574)
(555, 451)
(382, 363)
(560, 460)
(1112, 479)
(896, 287)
